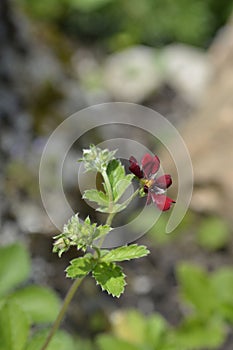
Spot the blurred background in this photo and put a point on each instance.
(176, 57)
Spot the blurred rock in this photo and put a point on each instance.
(132, 75)
(9, 233)
(37, 91)
(31, 218)
(208, 135)
(142, 284)
(187, 70)
(88, 70)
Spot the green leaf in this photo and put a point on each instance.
(83, 344)
(198, 334)
(14, 327)
(213, 234)
(196, 288)
(60, 341)
(222, 281)
(225, 309)
(88, 5)
(122, 185)
(131, 327)
(118, 179)
(80, 267)
(96, 196)
(102, 230)
(156, 330)
(41, 304)
(115, 208)
(102, 199)
(107, 342)
(132, 251)
(14, 267)
(110, 277)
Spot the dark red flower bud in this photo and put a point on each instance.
(135, 168)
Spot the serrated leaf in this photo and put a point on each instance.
(96, 196)
(14, 266)
(110, 277)
(60, 341)
(41, 304)
(80, 267)
(102, 230)
(87, 220)
(132, 251)
(118, 179)
(14, 327)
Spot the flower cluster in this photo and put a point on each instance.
(153, 187)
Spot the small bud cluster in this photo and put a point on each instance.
(96, 159)
(79, 234)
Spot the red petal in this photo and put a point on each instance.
(149, 198)
(163, 181)
(135, 168)
(150, 165)
(163, 202)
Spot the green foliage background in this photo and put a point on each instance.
(119, 23)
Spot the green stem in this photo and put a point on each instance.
(110, 218)
(66, 303)
(108, 222)
(67, 300)
(130, 198)
(77, 282)
(108, 187)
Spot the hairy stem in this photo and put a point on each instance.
(110, 218)
(108, 222)
(130, 198)
(66, 303)
(77, 282)
(69, 296)
(108, 187)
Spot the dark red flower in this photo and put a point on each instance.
(155, 188)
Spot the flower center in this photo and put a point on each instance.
(148, 183)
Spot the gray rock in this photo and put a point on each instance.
(31, 218)
(132, 75)
(9, 233)
(188, 70)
